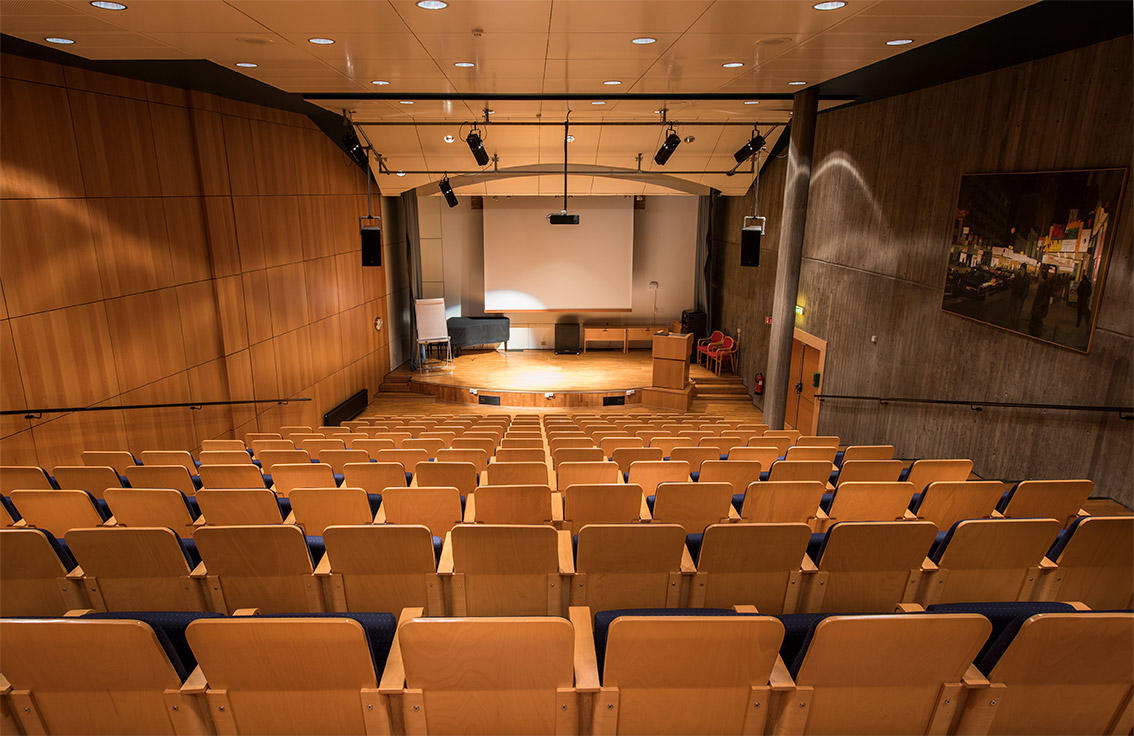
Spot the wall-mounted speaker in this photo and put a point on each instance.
(750, 246)
(371, 246)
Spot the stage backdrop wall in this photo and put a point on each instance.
(452, 260)
(160, 245)
(883, 191)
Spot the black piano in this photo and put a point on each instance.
(465, 332)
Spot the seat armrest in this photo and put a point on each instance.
(199, 571)
(566, 552)
(644, 512)
(974, 678)
(394, 673)
(745, 608)
(996, 515)
(586, 663)
(733, 514)
(781, 679)
(1078, 605)
(556, 506)
(76, 574)
(908, 515)
(5, 686)
(445, 565)
(928, 565)
(20, 524)
(821, 514)
(195, 683)
(687, 566)
(200, 521)
(110, 522)
(807, 565)
(324, 566)
(1082, 512)
(77, 612)
(380, 517)
(246, 612)
(470, 509)
(909, 608)
(290, 518)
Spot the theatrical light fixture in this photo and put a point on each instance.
(476, 145)
(321, 41)
(354, 148)
(746, 151)
(899, 42)
(564, 217)
(829, 5)
(643, 40)
(672, 141)
(447, 190)
(59, 40)
(104, 5)
(246, 64)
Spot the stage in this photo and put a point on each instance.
(524, 378)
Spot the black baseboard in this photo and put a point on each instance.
(347, 410)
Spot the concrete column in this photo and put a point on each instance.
(793, 220)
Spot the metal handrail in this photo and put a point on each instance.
(978, 405)
(195, 405)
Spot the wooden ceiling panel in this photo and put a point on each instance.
(491, 16)
(173, 15)
(353, 16)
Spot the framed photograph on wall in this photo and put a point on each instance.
(1029, 251)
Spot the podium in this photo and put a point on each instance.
(671, 388)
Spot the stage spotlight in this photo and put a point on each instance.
(672, 141)
(447, 190)
(477, 148)
(354, 148)
(748, 149)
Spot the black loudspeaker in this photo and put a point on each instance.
(750, 246)
(694, 320)
(567, 338)
(371, 246)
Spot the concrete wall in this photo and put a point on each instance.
(883, 190)
(452, 264)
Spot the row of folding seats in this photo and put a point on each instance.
(976, 669)
(486, 569)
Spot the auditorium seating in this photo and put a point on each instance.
(698, 589)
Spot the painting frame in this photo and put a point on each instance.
(973, 272)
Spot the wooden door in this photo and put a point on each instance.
(795, 375)
(805, 380)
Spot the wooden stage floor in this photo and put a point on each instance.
(543, 370)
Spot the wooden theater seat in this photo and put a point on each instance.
(480, 676)
(947, 502)
(94, 479)
(520, 455)
(438, 509)
(117, 459)
(169, 457)
(231, 476)
(819, 470)
(693, 505)
(988, 560)
(381, 568)
(315, 509)
(630, 566)
(862, 501)
(477, 457)
(339, 458)
(135, 569)
(688, 674)
(223, 446)
(610, 444)
(96, 677)
(587, 473)
(269, 459)
(506, 570)
(33, 580)
(924, 472)
(603, 503)
(817, 441)
(24, 477)
(239, 506)
(288, 477)
(624, 457)
(754, 564)
(1095, 564)
(56, 512)
(461, 476)
(868, 566)
(225, 457)
(870, 471)
(695, 456)
(782, 501)
(514, 504)
(587, 454)
(293, 675)
(265, 566)
(868, 452)
(1061, 500)
(737, 473)
(812, 452)
(161, 476)
(163, 507)
(374, 477)
(511, 474)
(649, 473)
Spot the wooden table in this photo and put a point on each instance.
(618, 333)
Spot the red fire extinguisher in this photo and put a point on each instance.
(758, 384)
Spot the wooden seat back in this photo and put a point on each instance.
(163, 507)
(225, 457)
(791, 434)
(429, 444)
(408, 458)
(478, 458)
(506, 570)
(231, 476)
(382, 567)
(868, 452)
(56, 512)
(624, 457)
(510, 474)
(438, 509)
(763, 455)
(265, 566)
(289, 476)
(94, 479)
(1097, 563)
(512, 504)
(587, 473)
(924, 472)
(135, 569)
(161, 476)
(374, 477)
(315, 509)
(610, 444)
(223, 445)
(589, 454)
(261, 446)
(461, 476)
(338, 459)
(695, 456)
(947, 502)
(370, 446)
(692, 505)
(870, 501)
(812, 452)
(878, 471)
(117, 459)
(1055, 499)
(604, 503)
(754, 564)
(830, 440)
(33, 580)
(800, 470)
(169, 457)
(239, 506)
(628, 566)
(27, 477)
(649, 473)
(781, 501)
(869, 565)
(520, 455)
(737, 473)
(991, 560)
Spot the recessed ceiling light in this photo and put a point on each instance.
(491, 112)
(401, 173)
(432, 4)
(612, 82)
(464, 64)
(598, 102)
(797, 84)
(658, 112)
(59, 40)
(570, 139)
(752, 102)
(104, 5)
(321, 41)
(732, 64)
(829, 5)
(246, 64)
(449, 139)
(899, 42)
(380, 82)
(643, 40)
(406, 102)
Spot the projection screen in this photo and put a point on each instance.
(531, 265)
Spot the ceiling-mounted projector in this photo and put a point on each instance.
(563, 218)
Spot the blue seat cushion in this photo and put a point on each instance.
(316, 548)
(10, 507)
(839, 458)
(798, 629)
(826, 501)
(833, 478)
(626, 476)
(169, 628)
(102, 507)
(375, 500)
(438, 543)
(1006, 497)
(603, 620)
(693, 543)
(268, 480)
(905, 473)
(764, 474)
(196, 481)
(338, 478)
(285, 506)
(51, 480)
(379, 628)
(695, 475)
(815, 546)
(189, 549)
(1063, 538)
(62, 551)
(915, 501)
(738, 501)
(650, 502)
(940, 542)
(409, 477)
(1006, 619)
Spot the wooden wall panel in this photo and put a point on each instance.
(47, 254)
(38, 149)
(171, 246)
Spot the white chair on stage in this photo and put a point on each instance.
(432, 330)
